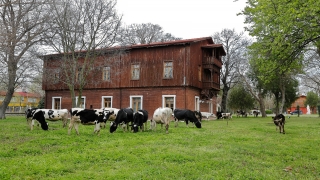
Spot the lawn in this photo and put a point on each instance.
(242, 148)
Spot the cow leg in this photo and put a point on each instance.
(167, 128)
(64, 122)
(176, 121)
(76, 127)
(32, 124)
(283, 128)
(70, 125)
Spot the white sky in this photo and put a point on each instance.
(185, 18)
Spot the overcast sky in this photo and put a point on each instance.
(185, 18)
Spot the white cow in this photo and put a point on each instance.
(161, 116)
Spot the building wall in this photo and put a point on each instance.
(152, 98)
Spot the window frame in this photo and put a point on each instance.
(84, 102)
(134, 69)
(102, 101)
(168, 96)
(53, 101)
(165, 71)
(136, 96)
(106, 73)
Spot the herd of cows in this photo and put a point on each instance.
(126, 118)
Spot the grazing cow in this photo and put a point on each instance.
(55, 115)
(36, 114)
(86, 117)
(255, 113)
(219, 114)
(241, 113)
(207, 115)
(187, 115)
(140, 118)
(226, 115)
(109, 114)
(124, 116)
(279, 121)
(161, 116)
(198, 115)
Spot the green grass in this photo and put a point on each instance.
(246, 148)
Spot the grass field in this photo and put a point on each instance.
(245, 148)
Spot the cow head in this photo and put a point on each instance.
(113, 127)
(137, 121)
(39, 116)
(198, 124)
(107, 114)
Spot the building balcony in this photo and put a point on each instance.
(210, 85)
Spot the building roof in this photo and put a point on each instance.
(157, 44)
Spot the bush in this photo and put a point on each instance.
(268, 111)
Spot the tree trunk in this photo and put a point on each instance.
(262, 106)
(224, 99)
(6, 102)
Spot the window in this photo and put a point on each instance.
(106, 74)
(56, 76)
(32, 100)
(79, 75)
(82, 102)
(167, 70)
(135, 71)
(56, 102)
(106, 102)
(169, 101)
(136, 103)
(196, 102)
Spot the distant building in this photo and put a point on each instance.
(300, 102)
(20, 101)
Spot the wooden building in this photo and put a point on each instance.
(176, 74)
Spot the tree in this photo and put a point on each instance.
(240, 98)
(235, 46)
(312, 100)
(79, 32)
(22, 22)
(144, 34)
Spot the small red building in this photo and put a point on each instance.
(300, 102)
(175, 74)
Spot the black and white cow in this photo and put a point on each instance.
(86, 117)
(124, 116)
(55, 115)
(139, 119)
(161, 116)
(36, 114)
(187, 115)
(279, 121)
(110, 114)
(241, 113)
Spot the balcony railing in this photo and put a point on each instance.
(208, 60)
(210, 85)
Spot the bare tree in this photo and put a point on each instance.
(78, 29)
(144, 34)
(22, 22)
(235, 46)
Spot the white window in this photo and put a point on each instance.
(169, 101)
(196, 102)
(106, 102)
(168, 70)
(82, 102)
(136, 102)
(56, 102)
(106, 74)
(135, 71)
